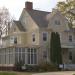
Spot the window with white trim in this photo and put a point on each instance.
(15, 40)
(44, 36)
(33, 37)
(70, 38)
(57, 22)
(32, 56)
(26, 55)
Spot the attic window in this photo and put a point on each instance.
(57, 22)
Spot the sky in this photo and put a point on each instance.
(15, 7)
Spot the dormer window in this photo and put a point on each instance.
(57, 22)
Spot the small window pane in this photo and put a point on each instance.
(23, 50)
(34, 50)
(31, 50)
(28, 50)
(32, 59)
(28, 58)
(16, 57)
(35, 58)
(70, 55)
(23, 57)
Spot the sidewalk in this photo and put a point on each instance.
(57, 73)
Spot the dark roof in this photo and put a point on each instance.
(19, 25)
(39, 17)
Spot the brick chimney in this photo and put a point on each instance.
(29, 5)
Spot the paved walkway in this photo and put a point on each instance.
(57, 73)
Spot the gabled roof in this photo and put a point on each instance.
(19, 25)
(55, 12)
(40, 17)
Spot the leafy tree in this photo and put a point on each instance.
(65, 7)
(55, 49)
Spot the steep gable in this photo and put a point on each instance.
(39, 17)
(57, 21)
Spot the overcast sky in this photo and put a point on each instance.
(16, 6)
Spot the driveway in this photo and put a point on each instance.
(57, 73)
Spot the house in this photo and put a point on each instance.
(28, 39)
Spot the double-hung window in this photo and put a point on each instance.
(44, 36)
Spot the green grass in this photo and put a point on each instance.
(14, 73)
(7, 73)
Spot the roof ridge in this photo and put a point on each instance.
(39, 17)
(37, 10)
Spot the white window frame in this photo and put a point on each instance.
(33, 36)
(70, 39)
(57, 22)
(46, 36)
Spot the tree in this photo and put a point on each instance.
(55, 49)
(52, 47)
(65, 7)
(58, 49)
(5, 21)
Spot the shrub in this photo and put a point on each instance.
(47, 67)
(43, 67)
(19, 65)
(33, 68)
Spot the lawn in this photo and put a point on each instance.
(7, 73)
(15, 73)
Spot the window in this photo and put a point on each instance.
(57, 22)
(44, 36)
(11, 40)
(70, 38)
(32, 56)
(33, 37)
(70, 55)
(14, 29)
(44, 54)
(15, 40)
